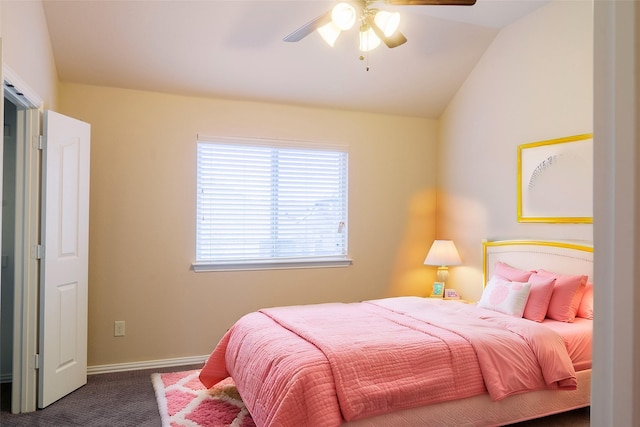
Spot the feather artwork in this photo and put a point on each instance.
(542, 166)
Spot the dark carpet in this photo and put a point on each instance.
(127, 399)
(122, 399)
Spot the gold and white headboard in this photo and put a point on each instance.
(556, 256)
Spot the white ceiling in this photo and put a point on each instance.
(234, 49)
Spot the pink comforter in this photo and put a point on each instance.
(381, 356)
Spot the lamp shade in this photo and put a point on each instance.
(344, 16)
(443, 253)
(388, 22)
(329, 33)
(368, 39)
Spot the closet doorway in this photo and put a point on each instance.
(46, 205)
(20, 224)
(7, 262)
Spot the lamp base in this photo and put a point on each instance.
(443, 274)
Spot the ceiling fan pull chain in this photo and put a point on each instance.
(362, 58)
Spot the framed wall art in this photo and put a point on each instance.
(555, 180)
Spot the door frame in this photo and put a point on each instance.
(27, 235)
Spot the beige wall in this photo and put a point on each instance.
(534, 83)
(26, 48)
(142, 220)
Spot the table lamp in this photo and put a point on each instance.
(443, 253)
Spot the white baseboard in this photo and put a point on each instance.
(148, 364)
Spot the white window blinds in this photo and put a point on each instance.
(262, 203)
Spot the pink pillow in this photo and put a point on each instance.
(511, 273)
(585, 309)
(504, 296)
(539, 297)
(566, 296)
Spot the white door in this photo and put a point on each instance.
(64, 266)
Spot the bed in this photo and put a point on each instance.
(523, 351)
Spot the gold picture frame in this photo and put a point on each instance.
(555, 180)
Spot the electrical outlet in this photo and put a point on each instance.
(118, 328)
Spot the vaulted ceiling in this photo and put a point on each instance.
(234, 49)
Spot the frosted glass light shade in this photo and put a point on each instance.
(343, 16)
(388, 22)
(329, 33)
(368, 40)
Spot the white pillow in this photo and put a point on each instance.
(505, 297)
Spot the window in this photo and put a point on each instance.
(270, 205)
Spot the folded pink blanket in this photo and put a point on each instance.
(515, 355)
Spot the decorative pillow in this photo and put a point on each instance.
(585, 309)
(566, 296)
(511, 273)
(504, 296)
(539, 297)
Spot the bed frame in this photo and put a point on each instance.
(557, 256)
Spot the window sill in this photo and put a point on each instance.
(283, 264)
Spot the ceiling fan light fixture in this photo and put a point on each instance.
(368, 39)
(388, 22)
(329, 33)
(343, 16)
(375, 26)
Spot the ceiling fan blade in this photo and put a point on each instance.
(432, 2)
(395, 40)
(308, 28)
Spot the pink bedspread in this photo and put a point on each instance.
(380, 356)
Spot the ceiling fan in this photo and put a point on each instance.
(375, 25)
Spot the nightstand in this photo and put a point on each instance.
(458, 300)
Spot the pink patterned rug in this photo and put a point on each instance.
(184, 402)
